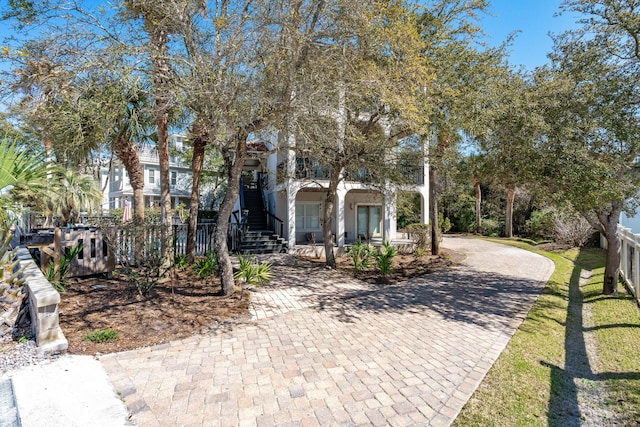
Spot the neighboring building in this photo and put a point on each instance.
(294, 189)
(118, 187)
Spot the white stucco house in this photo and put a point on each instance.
(294, 189)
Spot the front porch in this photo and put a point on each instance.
(403, 245)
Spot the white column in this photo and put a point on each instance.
(340, 207)
(292, 190)
(389, 219)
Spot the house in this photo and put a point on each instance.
(117, 187)
(291, 189)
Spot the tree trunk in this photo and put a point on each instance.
(197, 162)
(433, 211)
(508, 217)
(327, 218)
(612, 265)
(124, 149)
(233, 167)
(476, 186)
(161, 72)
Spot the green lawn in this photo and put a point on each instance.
(529, 385)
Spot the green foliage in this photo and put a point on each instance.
(492, 227)
(462, 213)
(207, 266)
(103, 335)
(541, 224)
(180, 262)
(57, 281)
(21, 170)
(359, 254)
(252, 272)
(408, 209)
(421, 235)
(384, 258)
(444, 223)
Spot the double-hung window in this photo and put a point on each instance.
(308, 216)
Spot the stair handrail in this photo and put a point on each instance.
(274, 223)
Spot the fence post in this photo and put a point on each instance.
(624, 258)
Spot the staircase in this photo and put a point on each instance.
(259, 239)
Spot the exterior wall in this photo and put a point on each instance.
(119, 187)
(352, 201)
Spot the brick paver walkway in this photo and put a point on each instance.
(325, 349)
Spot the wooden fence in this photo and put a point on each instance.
(629, 259)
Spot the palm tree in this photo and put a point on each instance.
(70, 192)
(21, 168)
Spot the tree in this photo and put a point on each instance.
(357, 100)
(593, 136)
(513, 127)
(460, 71)
(160, 20)
(69, 193)
(21, 168)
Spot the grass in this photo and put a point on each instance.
(103, 335)
(528, 385)
(616, 326)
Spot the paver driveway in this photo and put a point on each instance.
(325, 349)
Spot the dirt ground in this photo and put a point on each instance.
(176, 308)
(181, 306)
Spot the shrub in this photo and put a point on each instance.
(205, 267)
(103, 335)
(492, 227)
(359, 254)
(384, 258)
(541, 224)
(252, 272)
(180, 262)
(421, 234)
(571, 228)
(68, 255)
(444, 223)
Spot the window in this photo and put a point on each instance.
(174, 178)
(308, 216)
(152, 176)
(369, 221)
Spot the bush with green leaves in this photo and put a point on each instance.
(252, 272)
(492, 227)
(68, 255)
(444, 223)
(384, 258)
(207, 266)
(541, 224)
(180, 262)
(359, 254)
(102, 335)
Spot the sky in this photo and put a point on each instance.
(534, 19)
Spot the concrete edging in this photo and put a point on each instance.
(43, 305)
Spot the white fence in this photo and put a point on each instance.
(630, 259)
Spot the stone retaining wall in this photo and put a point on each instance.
(43, 306)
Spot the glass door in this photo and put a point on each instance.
(369, 222)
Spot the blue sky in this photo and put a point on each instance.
(535, 20)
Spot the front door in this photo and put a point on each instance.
(369, 222)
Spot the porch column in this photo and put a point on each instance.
(389, 222)
(340, 198)
(292, 191)
(424, 201)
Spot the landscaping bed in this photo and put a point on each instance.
(177, 307)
